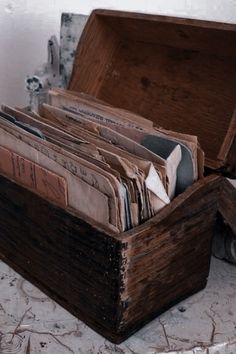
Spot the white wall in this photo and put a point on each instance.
(26, 25)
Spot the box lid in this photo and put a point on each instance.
(180, 73)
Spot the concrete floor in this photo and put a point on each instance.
(30, 322)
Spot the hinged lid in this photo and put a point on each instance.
(180, 73)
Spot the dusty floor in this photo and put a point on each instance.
(30, 322)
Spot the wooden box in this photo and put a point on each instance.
(180, 74)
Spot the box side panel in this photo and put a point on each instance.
(169, 260)
(69, 260)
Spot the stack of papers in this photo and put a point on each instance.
(109, 165)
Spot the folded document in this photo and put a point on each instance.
(109, 166)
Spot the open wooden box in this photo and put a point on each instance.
(179, 73)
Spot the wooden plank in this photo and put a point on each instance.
(104, 279)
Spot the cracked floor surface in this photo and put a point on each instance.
(205, 323)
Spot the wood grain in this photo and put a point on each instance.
(179, 73)
(114, 283)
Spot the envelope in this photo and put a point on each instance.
(159, 141)
(136, 153)
(166, 167)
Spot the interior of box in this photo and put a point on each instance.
(178, 73)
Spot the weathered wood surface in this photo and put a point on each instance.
(180, 73)
(106, 280)
(71, 261)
